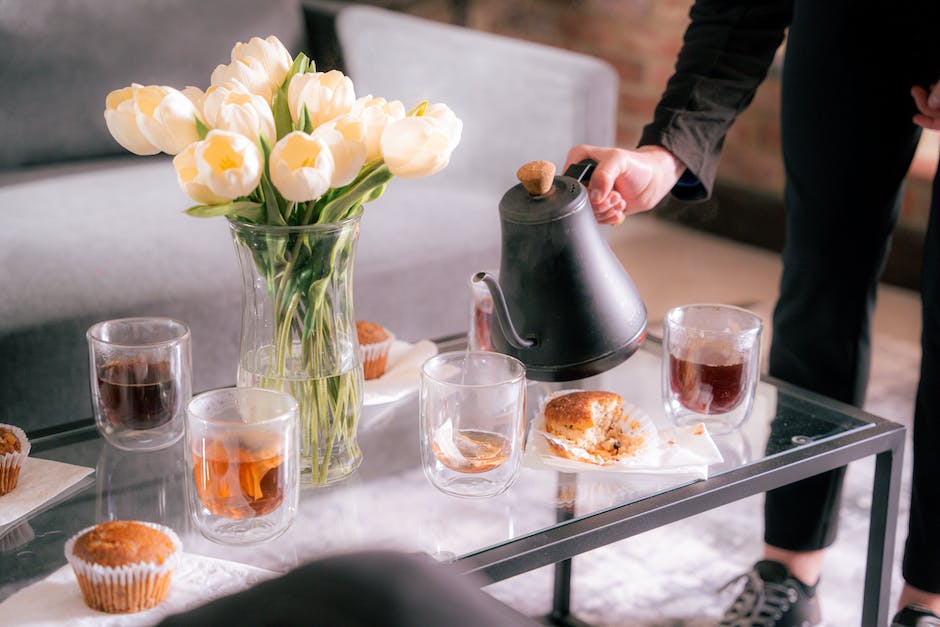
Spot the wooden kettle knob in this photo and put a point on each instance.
(537, 177)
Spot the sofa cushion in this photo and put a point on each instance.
(101, 241)
(60, 59)
(519, 101)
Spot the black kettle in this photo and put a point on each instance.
(565, 306)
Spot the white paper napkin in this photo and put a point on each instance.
(679, 451)
(57, 599)
(402, 374)
(41, 480)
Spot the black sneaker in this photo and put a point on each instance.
(915, 616)
(772, 598)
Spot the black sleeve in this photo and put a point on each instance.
(726, 52)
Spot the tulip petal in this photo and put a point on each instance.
(301, 167)
(229, 164)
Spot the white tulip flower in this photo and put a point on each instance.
(187, 174)
(231, 107)
(122, 122)
(327, 95)
(301, 167)
(166, 117)
(248, 71)
(229, 164)
(270, 52)
(419, 146)
(345, 137)
(196, 96)
(376, 113)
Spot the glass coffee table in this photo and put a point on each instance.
(547, 517)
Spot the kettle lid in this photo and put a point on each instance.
(541, 196)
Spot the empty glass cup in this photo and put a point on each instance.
(140, 371)
(472, 415)
(242, 451)
(711, 358)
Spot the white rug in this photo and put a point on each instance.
(671, 576)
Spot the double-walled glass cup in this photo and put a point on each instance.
(472, 419)
(141, 373)
(242, 449)
(711, 363)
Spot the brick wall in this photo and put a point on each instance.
(641, 38)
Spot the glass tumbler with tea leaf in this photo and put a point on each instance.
(140, 371)
(711, 363)
(242, 450)
(472, 422)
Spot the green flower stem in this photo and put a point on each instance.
(371, 178)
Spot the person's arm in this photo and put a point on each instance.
(726, 53)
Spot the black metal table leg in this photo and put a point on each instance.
(561, 597)
(881, 533)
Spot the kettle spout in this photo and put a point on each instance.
(502, 311)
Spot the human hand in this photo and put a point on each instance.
(627, 181)
(928, 103)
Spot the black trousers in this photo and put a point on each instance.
(848, 141)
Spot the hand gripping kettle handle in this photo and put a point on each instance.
(582, 170)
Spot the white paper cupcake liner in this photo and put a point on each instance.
(373, 353)
(10, 463)
(129, 588)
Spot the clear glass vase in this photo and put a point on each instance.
(299, 335)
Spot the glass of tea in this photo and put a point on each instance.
(242, 450)
(472, 422)
(711, 364)
(141, 374)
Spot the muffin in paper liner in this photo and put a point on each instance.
(10, 463)
(376, 342)
(638, 425)
(128, 588)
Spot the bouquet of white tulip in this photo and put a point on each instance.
(280, 149)
(272, 141)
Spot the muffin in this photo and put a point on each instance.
(14, 449)
(124, 566)
(595, 423)
(376, 341)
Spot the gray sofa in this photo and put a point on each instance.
(91, 232)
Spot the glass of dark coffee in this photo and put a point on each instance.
(711, 363)
(140, 372)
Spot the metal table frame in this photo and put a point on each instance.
(884, 439)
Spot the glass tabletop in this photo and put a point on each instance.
(388, 503)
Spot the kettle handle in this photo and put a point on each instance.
(582, 170)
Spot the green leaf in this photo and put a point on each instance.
(272, 206)
(375, 194)
(281, 111)
(273, 203)
(236, 209)
(201, 128)
(302, 120)
(266, 148)
(301, 65)
(308, 122)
